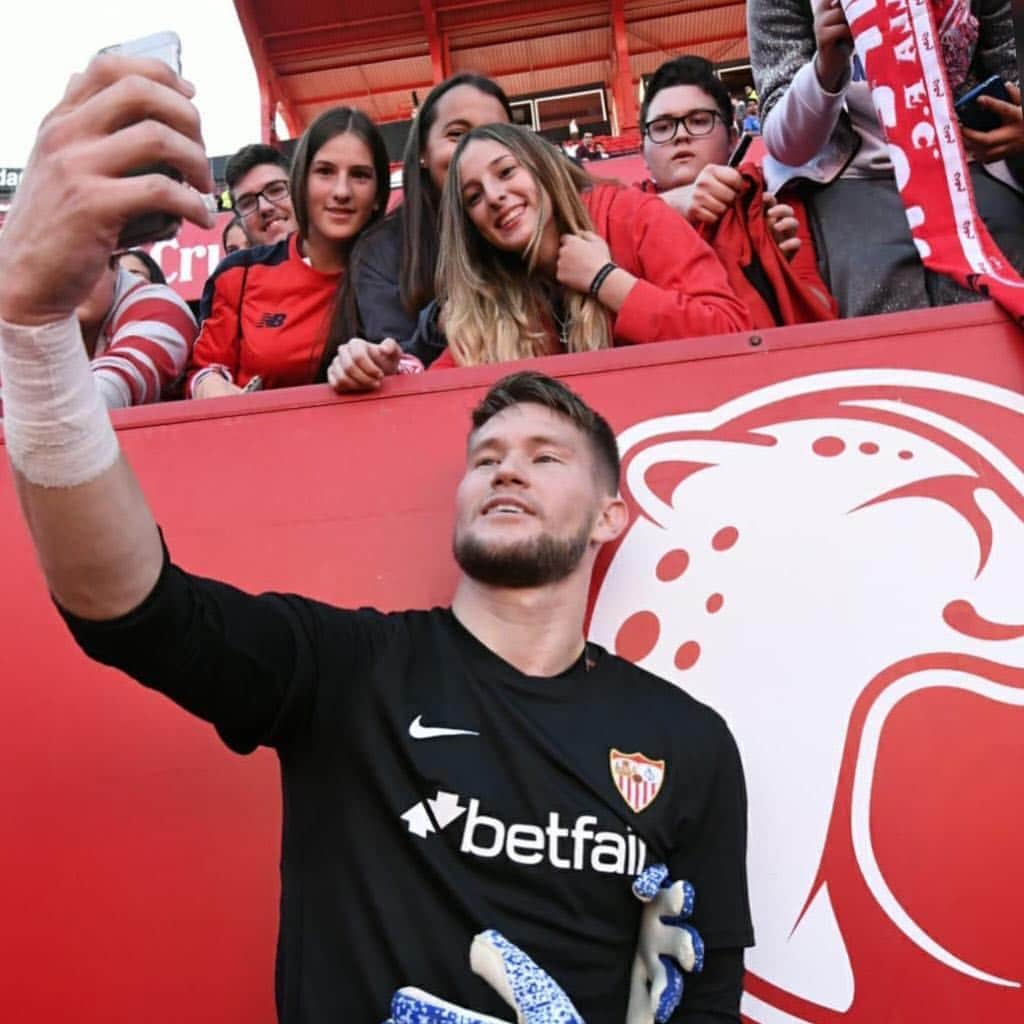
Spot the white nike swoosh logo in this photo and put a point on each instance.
(419, 731)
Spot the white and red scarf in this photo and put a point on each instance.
(910, 66)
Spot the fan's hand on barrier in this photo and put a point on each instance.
(1001, 142)
(534, 995)
(213, 385)
(666, 948)
(120, 114)
(362, 365)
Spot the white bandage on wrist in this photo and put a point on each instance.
(56, 427)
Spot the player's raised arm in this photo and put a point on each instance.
(96, 538)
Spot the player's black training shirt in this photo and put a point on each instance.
(432, 791)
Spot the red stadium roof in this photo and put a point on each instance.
(312, 54)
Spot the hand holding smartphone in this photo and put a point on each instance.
(156, 226)
(58, 230)
(975, 116)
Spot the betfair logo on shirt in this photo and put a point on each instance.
(575, 846)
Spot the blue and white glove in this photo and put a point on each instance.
(532, 993)
(666, 948)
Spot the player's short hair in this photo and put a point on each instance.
(530, 386)
(248, 157)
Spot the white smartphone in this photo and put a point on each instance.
(165, 46)
(151, 227)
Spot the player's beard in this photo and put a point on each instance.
(528, 563)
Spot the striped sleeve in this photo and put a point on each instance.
(151, 335)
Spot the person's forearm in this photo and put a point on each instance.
(615, 289)
(803, 119)
(96, 539)
(781, 37)
(113, 388)
(996, 51)
(218, 345)
(97, 543)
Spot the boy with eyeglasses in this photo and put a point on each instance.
(257, 176)
(688, 134)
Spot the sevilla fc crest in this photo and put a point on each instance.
(637, 778)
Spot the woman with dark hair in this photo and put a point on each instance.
(391, 277)
(265, 310)
(141, 264)
(234, 237)
(537, 258)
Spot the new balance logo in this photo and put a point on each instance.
(570, 847)
(271, 320)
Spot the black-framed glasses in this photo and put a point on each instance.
(697, 123)
(248, 204)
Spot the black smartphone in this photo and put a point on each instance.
(737, 155)
(976, 117)
(156, 226)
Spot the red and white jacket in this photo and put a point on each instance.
(144, 343)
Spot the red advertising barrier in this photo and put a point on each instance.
(827, 545)
(189, 258)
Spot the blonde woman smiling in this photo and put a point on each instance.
(537, 258)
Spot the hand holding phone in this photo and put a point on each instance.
(76, 191)
(973, 114)
(156, 226)
(1004, 139)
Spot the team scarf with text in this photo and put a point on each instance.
(912, 69)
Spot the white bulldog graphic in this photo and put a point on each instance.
(789, 547)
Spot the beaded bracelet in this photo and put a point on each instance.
(600, 277)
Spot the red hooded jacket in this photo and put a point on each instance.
(682, 290)
(777, 291)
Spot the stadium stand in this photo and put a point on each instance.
(826, 536)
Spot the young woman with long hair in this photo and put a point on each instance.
(537, 258)
(265, 310)
(391, 274)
